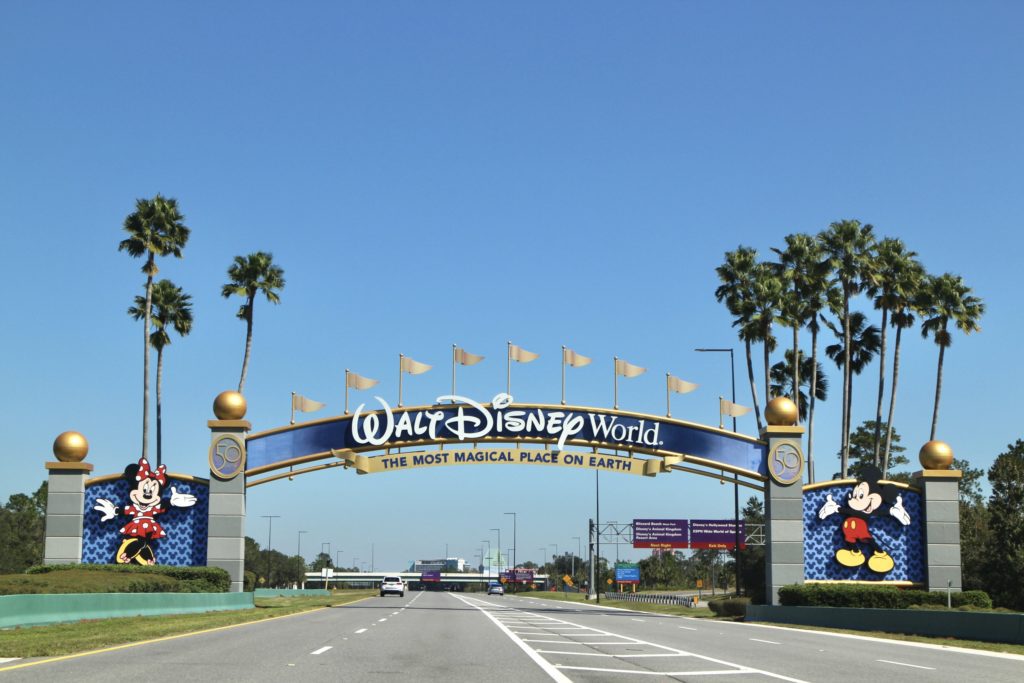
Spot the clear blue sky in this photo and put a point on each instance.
(430, 173)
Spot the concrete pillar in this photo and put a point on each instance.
(225, 545)
(940, 490)
(65, 510)
(783, 507)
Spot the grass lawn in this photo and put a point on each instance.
(80, 636)
(703, 612)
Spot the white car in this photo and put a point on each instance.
(392, 584)
(495, 588)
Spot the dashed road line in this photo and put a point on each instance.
(362, 630)
(770, 642)
(915, 666)
(322, 650)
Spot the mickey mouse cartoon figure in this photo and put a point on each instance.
(867, 498)
(146, 503)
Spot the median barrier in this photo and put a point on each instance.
(36, 609)
(655, 598)
(289, 592)
(993, 627)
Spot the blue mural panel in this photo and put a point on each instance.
(822, 537)
(185, 543)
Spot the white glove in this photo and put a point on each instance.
(898, 512)
(106, 507)
(829, 508)
(181, 500)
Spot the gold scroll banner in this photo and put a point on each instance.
(506, 456)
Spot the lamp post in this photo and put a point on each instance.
(337, 562)
(499, 551)
(579, 551)
(487, 557)
(270, 524)
(328, 552)
(735, 477)
(556, 555)
(514, 565)
(298, 554)
(355, 563)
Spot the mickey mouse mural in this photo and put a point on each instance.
(868, 498)
(145, 493)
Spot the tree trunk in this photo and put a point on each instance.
(767, 364)
(145, 357)
(159, 401)
(811, 399)
(845, 459)
(753, 385)
(938, 391)
(892, 401)
(796, 370)
(248, 340)
(881, 387)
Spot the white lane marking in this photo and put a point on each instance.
(4, 660)
(637, 619)
(545, 666)
(394, 614)
(382, 619)
(362, 630)
(716, 672)
(739, 668)
(322, 650)
(770, 642)
(602, 654)
(915, 666)
(688, 628)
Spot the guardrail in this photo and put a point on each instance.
(655, 598)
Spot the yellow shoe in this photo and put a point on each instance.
(880, 562)
(849, 558)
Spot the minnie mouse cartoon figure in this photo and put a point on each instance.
(867, 498)
(147, 487)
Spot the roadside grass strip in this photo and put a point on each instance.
(644, 658)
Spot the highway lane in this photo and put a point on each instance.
(454, 637)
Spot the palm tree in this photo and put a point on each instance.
(154, 229)
(903, 302)
(947, 299)
(737, 278)
(865, 341)
(782, 373)
(249, 276)
(764, 307)
(171, 309)
(848, 245)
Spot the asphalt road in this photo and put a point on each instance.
(463, 637)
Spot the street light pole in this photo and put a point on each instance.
(735, 477)
(270, 524)
(514, 564)
(579, 551)
(487, 558)
(499, 551)
(337, 562)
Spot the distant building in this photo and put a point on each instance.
(450, 564)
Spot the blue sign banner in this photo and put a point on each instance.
(627, 573)
(466, 421)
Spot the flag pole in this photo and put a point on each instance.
(400, 357)
(720, 424)
(293, 409)
(668, 396)
(563, 375)
(453, 372)
(346, 391)
(508, 369)
(615, 373)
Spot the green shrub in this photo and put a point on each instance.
(250, 581)
(877, 597)
(144, 579)
(729, 607)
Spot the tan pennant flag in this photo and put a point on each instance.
(732, 409)
(680, 386)
(305, 405)
(521, 355)
(577, 360)
(413, 367)
(355, 381)
(464, 357)
(626, 369)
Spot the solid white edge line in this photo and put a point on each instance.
(545, 665)
(915, 666)
(322, 650)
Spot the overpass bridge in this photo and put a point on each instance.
(414, 580)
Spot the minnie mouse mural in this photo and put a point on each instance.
(147, 487)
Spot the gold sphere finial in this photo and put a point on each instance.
(229, 405)
(70, 447)
(780, 412)
(936, 455)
